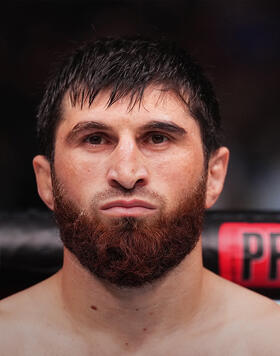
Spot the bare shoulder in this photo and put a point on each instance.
(250, 319)
(12, 310)
(26, 302)
(22, 315)
(261, 325)
(32, 323)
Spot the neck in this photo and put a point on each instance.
(132, 313)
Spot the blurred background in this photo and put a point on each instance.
(237, 43)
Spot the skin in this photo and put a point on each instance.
(189, 312)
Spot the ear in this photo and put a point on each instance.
(42, 171)
(217, 169)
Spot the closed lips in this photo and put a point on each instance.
(128, 204)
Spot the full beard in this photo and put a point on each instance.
(130, 251)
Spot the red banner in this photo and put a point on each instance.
(249, 253)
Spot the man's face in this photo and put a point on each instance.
(129, 186)
(152, 153)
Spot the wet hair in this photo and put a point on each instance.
(125, 67)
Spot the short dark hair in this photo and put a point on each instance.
(126, 66)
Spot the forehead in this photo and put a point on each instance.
(156, 104)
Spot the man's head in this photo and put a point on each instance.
(130, 131)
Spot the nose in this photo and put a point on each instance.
(127, 167)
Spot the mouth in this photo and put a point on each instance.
(128, 208)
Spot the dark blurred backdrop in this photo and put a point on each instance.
(237, 42)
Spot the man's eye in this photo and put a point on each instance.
(158, 138)
(94, 139)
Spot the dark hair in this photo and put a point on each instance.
(126, 67)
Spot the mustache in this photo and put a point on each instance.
(119, 194)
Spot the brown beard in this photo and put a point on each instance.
(130, 251)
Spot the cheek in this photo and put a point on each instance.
(177, 174)
(78, 175)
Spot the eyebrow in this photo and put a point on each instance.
(168, 126)
(84, 126)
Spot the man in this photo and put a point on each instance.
(131, 149)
